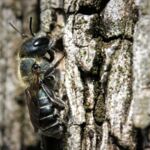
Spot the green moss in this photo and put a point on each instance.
(99, 113)
(99, 109)
(87, 106)
(82, 53)
(82, 21)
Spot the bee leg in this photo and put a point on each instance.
(47, 59)
(51, 53)
(49, 70)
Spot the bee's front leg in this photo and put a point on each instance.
(51, 54)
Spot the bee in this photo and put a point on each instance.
(43, 103)
(41, 78)
(34, 46)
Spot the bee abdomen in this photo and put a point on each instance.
(43, 101)
(49, 119)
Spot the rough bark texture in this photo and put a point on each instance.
(104, 77)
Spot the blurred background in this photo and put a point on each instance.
(16, 132)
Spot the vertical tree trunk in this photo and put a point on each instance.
(104, 77)
(98, 39)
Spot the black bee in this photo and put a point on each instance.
(41, 83)
(43, 103)
(36, 46)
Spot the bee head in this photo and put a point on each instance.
(36, 46)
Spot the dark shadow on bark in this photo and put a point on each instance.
(51, 143)
(32, 147)
(139, 139)
(38, 11)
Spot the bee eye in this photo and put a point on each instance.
(35, 67)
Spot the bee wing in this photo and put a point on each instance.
(33, 110)
(56, 101)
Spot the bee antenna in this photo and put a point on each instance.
(22, 34)
(30, 27)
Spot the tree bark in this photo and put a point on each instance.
(104, 78)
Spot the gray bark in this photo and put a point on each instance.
(104, 77)
(15, 127)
